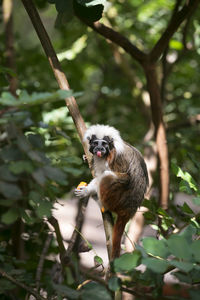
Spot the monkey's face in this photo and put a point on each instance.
(100, 147)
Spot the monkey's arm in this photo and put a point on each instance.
(85, 191)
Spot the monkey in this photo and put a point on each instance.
(120, 177)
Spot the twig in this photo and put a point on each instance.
(59, 238)
(75, 238)
(118, 39)
(22, 285)
(42, 259)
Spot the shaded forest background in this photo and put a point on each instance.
(146, 84)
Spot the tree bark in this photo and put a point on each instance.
(160, 132)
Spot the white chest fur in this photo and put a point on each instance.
(100, 166)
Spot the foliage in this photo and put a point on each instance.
(40, 151)
(34, 172)
(177, 254)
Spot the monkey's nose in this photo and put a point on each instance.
(100, 149)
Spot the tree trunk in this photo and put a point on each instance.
(160, 133)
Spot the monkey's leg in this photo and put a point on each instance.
(112, 188)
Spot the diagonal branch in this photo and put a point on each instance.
(118, 39)
(177, 18)
(41, 261)
(70, 102)
(21, 285)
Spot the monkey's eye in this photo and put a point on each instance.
(104, 143)
(95, 143)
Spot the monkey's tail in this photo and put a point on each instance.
(118, 230)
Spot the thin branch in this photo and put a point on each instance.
(21, 285)
(75, 238)
(59, 238)
(177, 18)
(42, 259)
(118, 39)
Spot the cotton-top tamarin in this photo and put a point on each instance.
(121, 177)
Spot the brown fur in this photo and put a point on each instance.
(124, 192)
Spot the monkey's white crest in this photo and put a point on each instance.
(104, 130)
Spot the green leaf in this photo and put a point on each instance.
(73, 171)
(10, 216)
(195, 248)
(69, 276)
(8, 71)
(7, 99)
(182, 277)
(189, 232)
(95, 291)
(90, 14)
(185, 176)
(156, 247)
(25, 99)
(27, 217)
(179, 247)
(23, 143)
(185, 208)
(184, 266)
(127, 261)
(21, 166)
(98, 259)
(54, 174)
(162, 212)
(10, 190)
(184, 187)
(63, 5)
(174, 44)
(39, 176)
(36, 140)
(63, 290)
(6, 175)
(6, 286)
(35, 197)
(10, 153)
(44, 209)
(114, 284)
(156, 265)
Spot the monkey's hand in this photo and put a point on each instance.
(81, 192)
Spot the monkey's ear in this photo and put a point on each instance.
(91, 138)
(110, 141)
(111, 144)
